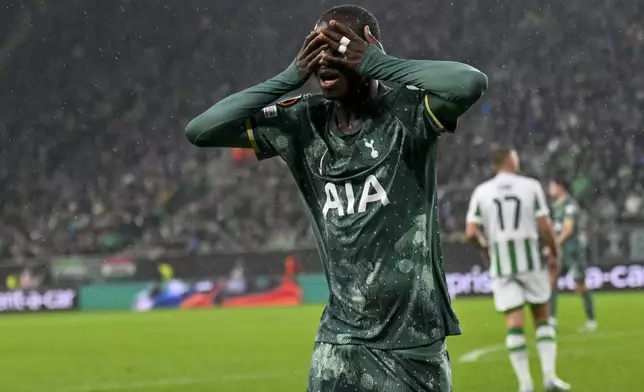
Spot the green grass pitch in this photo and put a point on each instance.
(261, 350)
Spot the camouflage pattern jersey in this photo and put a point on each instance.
(372, 203)
(371, 195)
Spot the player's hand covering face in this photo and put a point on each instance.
(348, 47)
(337, 76)
(310, 56)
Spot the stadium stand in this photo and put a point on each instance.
(93, 157)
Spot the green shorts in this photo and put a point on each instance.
(357, 368)
(574, 264)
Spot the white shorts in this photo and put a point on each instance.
(513, 292)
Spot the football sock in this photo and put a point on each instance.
(516, 344)
(589, 306)
(547, 348)
(553, 303)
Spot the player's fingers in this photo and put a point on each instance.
(355, 42)
(317, 52)
(331, 43)
(342, 29)
(317, 41)
(312, 41)
(315, 63)
(311, 36)
(331, 60)
(334, 35)
(308, 39)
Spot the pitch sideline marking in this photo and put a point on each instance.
(476, 354)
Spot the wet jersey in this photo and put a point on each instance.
(560, 212)
(371, 197)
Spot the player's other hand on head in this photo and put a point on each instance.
(310, 56)
(348, 48)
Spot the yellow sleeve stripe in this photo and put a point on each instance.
(251, 136)
(431, 113)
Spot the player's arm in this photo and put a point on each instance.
(473, 225)
(451, 87)
(568, 225)
(223, 124)
(474, 235)
(544, 224)
(548, 235)
(567, 229)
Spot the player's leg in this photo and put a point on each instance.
(579, 275)
(515, 342)
(554, 293)
(538, 293)
(510, 300)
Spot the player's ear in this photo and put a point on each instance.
(371, 39)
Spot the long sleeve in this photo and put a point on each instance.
(458, 85)
(220, 125)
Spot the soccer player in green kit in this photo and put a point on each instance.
(565, 216)
(363, 156)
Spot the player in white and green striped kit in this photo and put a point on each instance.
(506, 216)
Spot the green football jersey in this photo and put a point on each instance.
(372, 202)
(571, 248)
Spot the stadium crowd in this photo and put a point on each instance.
(93, 157)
